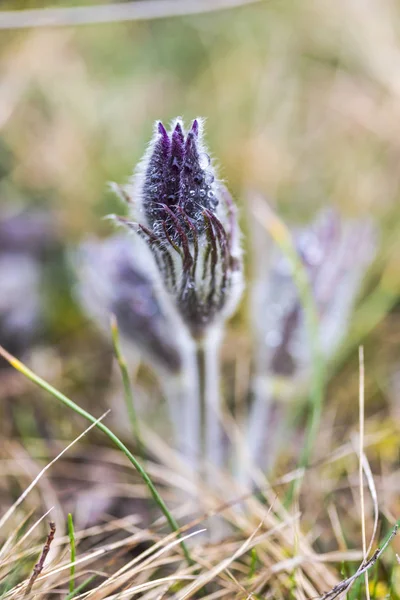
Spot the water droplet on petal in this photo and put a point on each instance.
(204, 160)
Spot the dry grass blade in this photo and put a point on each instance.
(30, 487)
(372, 489)
(207, 577)
(19, 366)
(345, 585)
(124, 574)
(112, 13)
(361, 454)
(31, 530)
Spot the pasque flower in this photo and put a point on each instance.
(113, 279)
(187, 218)
(335, 254)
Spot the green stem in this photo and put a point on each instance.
(80, 587)
(19, 366)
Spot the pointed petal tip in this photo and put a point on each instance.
(177, 133)
(161, 129)
(195, 127)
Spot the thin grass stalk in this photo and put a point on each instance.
(128, 394)
(19, 366)
(71, 535)
(81, 587)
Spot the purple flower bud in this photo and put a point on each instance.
(187, 218)
(336, 254)
(27, 232)
(113, 280)
(20, 300)
(26, 238)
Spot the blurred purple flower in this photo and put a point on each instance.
(27, 232)
(115, 280)
(187, 218)
(25, 239)
(20, 306)
(336, 254)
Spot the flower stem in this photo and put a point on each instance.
(211, 442)
(189, 438)
(264, 433)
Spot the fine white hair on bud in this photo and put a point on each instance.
(188, 219)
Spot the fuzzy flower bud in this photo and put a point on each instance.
(115, 280)
(187, 219)
(336, 254)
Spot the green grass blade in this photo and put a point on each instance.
(80, 587)
(128, 395)
(71, 534)
(19, 366)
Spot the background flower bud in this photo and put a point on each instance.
(336, 254)
(26, 239)
(113, 279)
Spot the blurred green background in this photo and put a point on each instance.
(302, 101)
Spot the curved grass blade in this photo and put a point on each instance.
(19, 366)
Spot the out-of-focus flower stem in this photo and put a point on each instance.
(180, 392)
(261, 435)
(207, 360)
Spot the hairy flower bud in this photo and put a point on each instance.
(335, 254)
(115, 280)
(187, 218)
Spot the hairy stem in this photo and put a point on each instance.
(189, 437)
(211, 442)
(264, 433)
